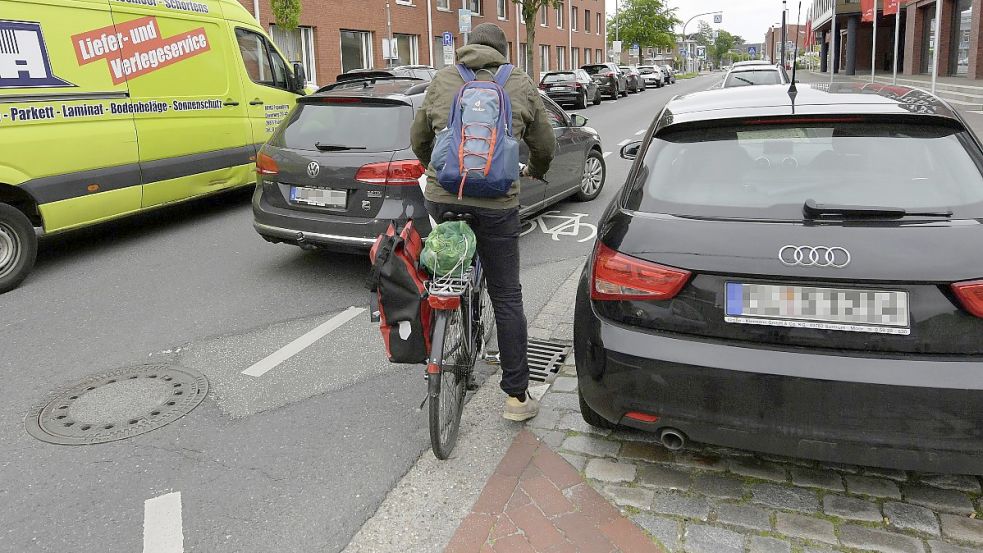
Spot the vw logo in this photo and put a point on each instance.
(814, 256)
(313, 169)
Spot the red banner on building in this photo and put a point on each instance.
(809, 35)
(891, 6)
(866, 10)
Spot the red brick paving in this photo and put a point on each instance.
(536, 502)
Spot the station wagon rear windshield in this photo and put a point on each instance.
(769, 171)
(374, 127)
(595, 69)
(754, 77)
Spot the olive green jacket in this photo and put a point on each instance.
(530, 122)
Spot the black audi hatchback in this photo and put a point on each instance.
(794, 273)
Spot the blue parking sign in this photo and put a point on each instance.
(448, 39)
(752, 51)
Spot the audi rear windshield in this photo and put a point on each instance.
(769, 171)
(559, 78)
(367, 127)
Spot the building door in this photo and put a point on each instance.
(928, 39)
(963, 27)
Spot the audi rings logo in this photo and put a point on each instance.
(313, 169)
(814, 256)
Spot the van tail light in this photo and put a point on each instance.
(391, 173)
(265, 165)
(620, 277)
(971, 295)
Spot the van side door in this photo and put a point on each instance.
(188, 105)
(266, 82)
(65, 136)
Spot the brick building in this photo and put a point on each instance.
(961, 48)
(772, 47)
(339, 35)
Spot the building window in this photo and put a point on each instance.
(474, 6)
(544, 16)
(573, 18)
(586, 21)
(407, 49)
(587, 56)
(405, 2)
(444, 5)
(298, 46)
(356, 50)
(598, 56)
(597, 28)
(575, 52)
(523, 50)
(544, 58)
(561, 58)
(503, 9)
(559, 16)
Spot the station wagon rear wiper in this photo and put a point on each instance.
(336, 147)
(814, 210)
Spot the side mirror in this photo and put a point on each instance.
(630, 150)
(300, 79)
(577, 120)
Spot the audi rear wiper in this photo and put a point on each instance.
(814, 210)
(336, 147)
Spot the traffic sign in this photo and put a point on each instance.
(752, 51)
(616, 46)
(464, 20)
(448, 39)
(719, 18)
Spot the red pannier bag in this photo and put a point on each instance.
(399, 289)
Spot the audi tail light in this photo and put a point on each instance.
(620, 277)
(265, 165)
(391, 173)
(971, 295)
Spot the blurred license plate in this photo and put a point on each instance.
(321, 197)
(877, 311)
(560, 88)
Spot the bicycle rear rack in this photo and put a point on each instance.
(449, 285)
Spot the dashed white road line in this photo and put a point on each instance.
(625, 141)
(162, 527)
(641, 132)
(606, 154)
(302, 343)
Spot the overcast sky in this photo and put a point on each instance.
(748, 18)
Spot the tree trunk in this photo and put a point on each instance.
(531, 46)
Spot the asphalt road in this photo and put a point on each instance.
(293, 460)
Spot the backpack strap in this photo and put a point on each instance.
(503, 74)
(466, 73)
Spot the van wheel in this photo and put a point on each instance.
(18, 247)
(592, 180)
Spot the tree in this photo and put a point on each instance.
(721, 46)
(648, 23)
(286, 13)
(530, 10)
(704, 36)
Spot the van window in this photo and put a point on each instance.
(263, 64)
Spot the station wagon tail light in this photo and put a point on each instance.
(971, 295)
(620, 277)
(265, 165)
(391, 173)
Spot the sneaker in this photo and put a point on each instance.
(519, 411)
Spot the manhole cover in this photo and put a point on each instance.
(116, 405)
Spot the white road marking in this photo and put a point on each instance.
(641, 132)
(625, 141)
(162, 528)
(302, 343)
(606, 154)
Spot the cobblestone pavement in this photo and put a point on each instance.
(718, 500)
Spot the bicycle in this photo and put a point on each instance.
(462, 327)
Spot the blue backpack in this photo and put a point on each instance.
(476, 155)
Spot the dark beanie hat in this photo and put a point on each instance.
(492, 35)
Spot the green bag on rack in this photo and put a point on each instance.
(449, 249)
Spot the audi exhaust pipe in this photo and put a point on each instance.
(672, 439)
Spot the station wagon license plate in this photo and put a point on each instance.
(851, 310)
(321, 197)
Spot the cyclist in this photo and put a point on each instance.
(495, 220)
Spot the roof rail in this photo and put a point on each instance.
(365, 82)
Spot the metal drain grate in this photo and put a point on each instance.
(117, 405)
(545, 359)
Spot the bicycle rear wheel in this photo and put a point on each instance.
(448, 387)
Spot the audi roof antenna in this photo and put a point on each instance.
(792, 91)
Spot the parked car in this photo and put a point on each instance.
(670, 74)
(841, 318)
(571, 87)
(652, 75)
(752, 75)
(610, 78)
(635, 81)
(340, 167)
(424, 72)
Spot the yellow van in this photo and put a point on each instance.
(111, 107)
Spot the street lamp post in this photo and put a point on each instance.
(784, 34)
(689, 57)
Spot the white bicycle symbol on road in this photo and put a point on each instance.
(562, 225)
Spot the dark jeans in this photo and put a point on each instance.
(497, 231)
